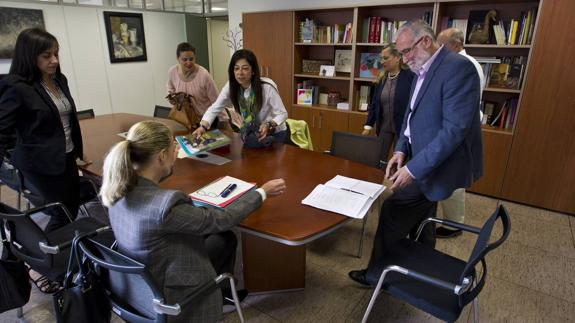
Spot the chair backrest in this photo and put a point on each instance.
(361, 149)
(161, 111)
(24, 236)
(85, 114)
(131, 289)
(480, 250)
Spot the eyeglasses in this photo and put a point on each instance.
(409, 49)
(204, 193)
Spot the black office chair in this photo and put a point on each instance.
(161, 111)
(45, 253)
(132, 291)
(360, 149)
(365, 150)
(85, 114)
(432, 281)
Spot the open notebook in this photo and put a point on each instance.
(211, 194)
(348, 196)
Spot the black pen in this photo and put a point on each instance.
(230, 188)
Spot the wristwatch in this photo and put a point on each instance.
(271, 125)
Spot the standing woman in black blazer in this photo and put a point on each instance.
(36, 106)
(390, 99)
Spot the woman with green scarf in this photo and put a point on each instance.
(254, 98)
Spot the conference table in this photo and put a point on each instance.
(274, 237)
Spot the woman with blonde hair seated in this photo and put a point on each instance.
(181, 244)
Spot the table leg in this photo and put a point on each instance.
(271, 266)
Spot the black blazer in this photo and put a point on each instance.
(400, 102)
(27, 111)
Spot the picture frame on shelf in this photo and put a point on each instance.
(304, 96)
(342, 60)
(312, 66)
(369, 65)
(327, 70)
(125, 35)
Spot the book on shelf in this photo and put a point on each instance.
(515, 76)
(498, 75)
(369, 65)
(221, 192)
(363, 95)
(378, 30)
(305, 96)
(311, 31)
(500, 116)
(344, 195)
(210, 140)
(503, 72)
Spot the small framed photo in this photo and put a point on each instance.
(125, 34)
(327, 70)
(342, 60)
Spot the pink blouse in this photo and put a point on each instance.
(201, 86)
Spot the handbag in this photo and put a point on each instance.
(14, 284)
(250, 134)
(82, 299)
(182, 110)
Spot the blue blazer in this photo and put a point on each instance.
(400, 101)
(446, 151)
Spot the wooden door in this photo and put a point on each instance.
(270, 36)
(496, 148)
(541, 168)
(356, 122)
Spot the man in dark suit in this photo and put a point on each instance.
(439, 147)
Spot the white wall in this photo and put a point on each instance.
(96, 83)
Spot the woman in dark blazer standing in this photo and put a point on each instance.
(390, 99)
(36, 107)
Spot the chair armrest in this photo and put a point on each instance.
(421, 277)
(449, 223)
(50, 205)
(162, 308)
(49, 249)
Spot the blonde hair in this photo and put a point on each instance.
(394, 52)
(144, 140)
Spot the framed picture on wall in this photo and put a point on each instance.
(13, 21)
(125, 34)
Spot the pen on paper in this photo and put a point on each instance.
(347, 189)
(230, 188)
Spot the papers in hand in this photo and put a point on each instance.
(210, 140)
(348, 196)
(211, 193)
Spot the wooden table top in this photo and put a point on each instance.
(283, 218)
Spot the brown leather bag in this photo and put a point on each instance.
(183, 111)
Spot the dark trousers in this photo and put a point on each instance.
(63, 188)
(400, 217)
(221, 249)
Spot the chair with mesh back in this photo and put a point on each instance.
(85, 114)
(433, 281)
(46, 253)
(161, 111)
(360, 149)
(132, 291)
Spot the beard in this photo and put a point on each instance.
(418, 61)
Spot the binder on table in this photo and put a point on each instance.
(348, 196)
(210, 195)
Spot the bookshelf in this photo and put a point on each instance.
(529, 163)
(497, 139)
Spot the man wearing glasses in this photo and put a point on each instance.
(439, 146)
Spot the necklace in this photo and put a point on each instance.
(392, 76)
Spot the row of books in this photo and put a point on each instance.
(380, 31)
(501, 116)
(513, 32)
(312, 32)
(503, 72)
(308, 93)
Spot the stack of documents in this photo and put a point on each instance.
(211, 194)
(348, 196)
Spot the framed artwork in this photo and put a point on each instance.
(369, 65)
(125, 34)
(327, 70)
(14, 20)
(342, 60)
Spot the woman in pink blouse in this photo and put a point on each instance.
(193, 79)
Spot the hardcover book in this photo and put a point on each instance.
(305, 96)
(498, 76)
(210, 140)
(369, 66)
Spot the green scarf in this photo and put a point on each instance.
(247, 106)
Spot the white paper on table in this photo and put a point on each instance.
(336, 200)
(355, 185)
